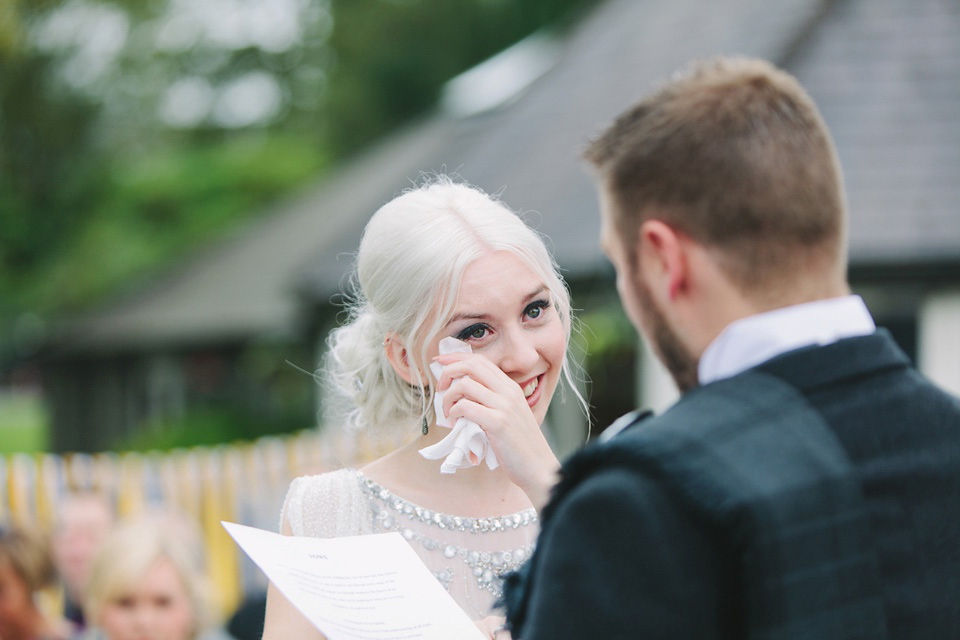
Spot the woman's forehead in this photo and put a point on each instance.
(496, 280)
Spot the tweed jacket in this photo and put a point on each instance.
(814, 496)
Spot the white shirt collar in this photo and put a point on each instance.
(750, 341)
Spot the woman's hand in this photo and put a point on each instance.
(476, 389)
(493, 628)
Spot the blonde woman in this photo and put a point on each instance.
(443, 261)
(146, 584)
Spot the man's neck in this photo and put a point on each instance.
(751, 340)
(734, 304)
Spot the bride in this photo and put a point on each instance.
(438, 262)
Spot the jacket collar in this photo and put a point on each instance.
(816, 366)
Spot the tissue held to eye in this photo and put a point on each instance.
(467, 444)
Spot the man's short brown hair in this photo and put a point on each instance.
(734, 154)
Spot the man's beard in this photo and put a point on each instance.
(668, 347)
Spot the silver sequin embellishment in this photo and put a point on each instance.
(487, 568)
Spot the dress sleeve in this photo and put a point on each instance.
(620, 559)
(328, 505)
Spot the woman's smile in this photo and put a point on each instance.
(530, 387)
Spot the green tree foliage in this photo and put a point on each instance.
(163, 205)
(46, 173)
(49, 174)
(96, 190)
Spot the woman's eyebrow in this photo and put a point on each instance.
(540, 290)
(486, 316)
(468, 316)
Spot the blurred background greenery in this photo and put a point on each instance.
(133, 131)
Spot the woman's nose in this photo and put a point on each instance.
(144, 619)
(519, 353)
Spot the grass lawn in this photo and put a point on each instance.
(23, 423)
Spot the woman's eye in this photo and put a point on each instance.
(535, 309)
(475, 332)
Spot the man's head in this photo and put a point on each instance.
(727, 178)
(83, 521)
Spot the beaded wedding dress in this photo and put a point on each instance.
(468, 556)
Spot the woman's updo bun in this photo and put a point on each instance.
(358, 371)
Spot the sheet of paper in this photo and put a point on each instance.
(370, 587)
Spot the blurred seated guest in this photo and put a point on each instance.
(83, 520)
(26, 567)
(146, 584)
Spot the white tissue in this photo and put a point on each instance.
(466, 444)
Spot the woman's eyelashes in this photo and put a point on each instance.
(477, 331)
(534, 311)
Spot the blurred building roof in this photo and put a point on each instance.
(886, 74)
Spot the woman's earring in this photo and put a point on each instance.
(424, 428)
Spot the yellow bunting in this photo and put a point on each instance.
(242, 481)
(222, 561)
(46, 486)
(130, 499)
(21, 477)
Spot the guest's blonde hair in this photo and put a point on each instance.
(412, 256)
(127, 554)
(28, 553)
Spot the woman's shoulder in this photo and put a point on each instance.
(325, 505)
(341, 480)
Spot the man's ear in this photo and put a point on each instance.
(397, 355)
(662, 259)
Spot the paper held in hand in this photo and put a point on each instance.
(371, 587)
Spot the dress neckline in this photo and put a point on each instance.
(444, 520)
